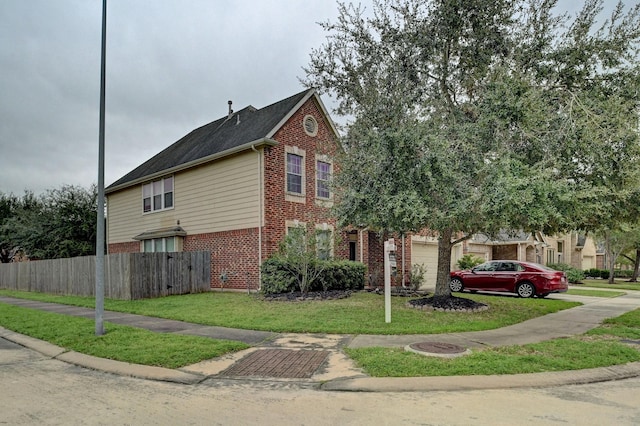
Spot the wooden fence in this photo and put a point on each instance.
(128, 276)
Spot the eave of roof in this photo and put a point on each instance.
(247, 146)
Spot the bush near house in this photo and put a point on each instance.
(597, 273)
(277, 276)
(573, 275)
(468, 261)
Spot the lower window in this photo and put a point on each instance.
(166, 244)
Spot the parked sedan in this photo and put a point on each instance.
(523, 278)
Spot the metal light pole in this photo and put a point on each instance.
(100, 225)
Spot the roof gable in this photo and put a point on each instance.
(224, 135)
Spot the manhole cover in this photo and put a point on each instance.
(440, 349)
(284, 363)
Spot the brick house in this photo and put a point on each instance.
(236, 187)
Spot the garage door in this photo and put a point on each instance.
(427, 255)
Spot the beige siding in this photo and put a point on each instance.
(219, 196)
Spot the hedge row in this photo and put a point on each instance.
(336, 275)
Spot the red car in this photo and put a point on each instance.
(523, 278)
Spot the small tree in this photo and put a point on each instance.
(304, 253)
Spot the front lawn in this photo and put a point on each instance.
(362, 313)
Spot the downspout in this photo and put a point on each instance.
(260, 202)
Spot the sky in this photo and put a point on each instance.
(171, 66)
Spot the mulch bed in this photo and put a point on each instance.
(311, 295)
(447, 304)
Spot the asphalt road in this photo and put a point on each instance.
(37, 390)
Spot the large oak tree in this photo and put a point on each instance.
(481, 115)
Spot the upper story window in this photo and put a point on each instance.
(323, 174)
(310, 125)
(157, 195)
(295, 169)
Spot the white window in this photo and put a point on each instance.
(323, 175)
(165, 244)
(295, 165)
(157, 195)
(295, 174)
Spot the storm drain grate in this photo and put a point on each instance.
(284, 363)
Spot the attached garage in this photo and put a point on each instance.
(425, 252)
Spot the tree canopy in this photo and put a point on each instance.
(59, 223)
(481, 115)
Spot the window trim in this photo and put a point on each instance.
(148, 193)
(327, 181)
(163, 240)
(289, 195)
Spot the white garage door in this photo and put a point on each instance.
(427, 255)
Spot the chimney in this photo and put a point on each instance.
(230, 110)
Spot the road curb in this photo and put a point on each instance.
(458, 383)
(101, 364)
(360, 384)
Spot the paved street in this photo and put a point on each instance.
(37, 390)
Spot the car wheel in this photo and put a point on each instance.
(526, 289)
(455, 284)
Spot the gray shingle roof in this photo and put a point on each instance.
(242, 127)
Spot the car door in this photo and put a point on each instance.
(481, 277)
(505, 276)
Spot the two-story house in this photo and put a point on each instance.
(236, 187)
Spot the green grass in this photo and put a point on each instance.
(619, 284)
(120, 343)
(595, 293)
(362, 313)
(598, 348)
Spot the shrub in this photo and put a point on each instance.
(559, 266)
(468, 261)
(341, 275)
(623, 273)
(278, 277)
(593, 273)
(416, 276)
(574, 275)
(604, 274)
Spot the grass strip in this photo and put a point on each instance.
(362, 313)
(599, 347)
(121, 343)
(595, 293)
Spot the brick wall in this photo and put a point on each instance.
(234, 254)
(277, 209)
(128, 247)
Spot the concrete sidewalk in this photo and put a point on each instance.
(338, 372)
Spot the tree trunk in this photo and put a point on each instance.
(636, 266)
(444, 264)
(612, 265)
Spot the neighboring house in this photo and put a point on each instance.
(236, 187)
(577, 250)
